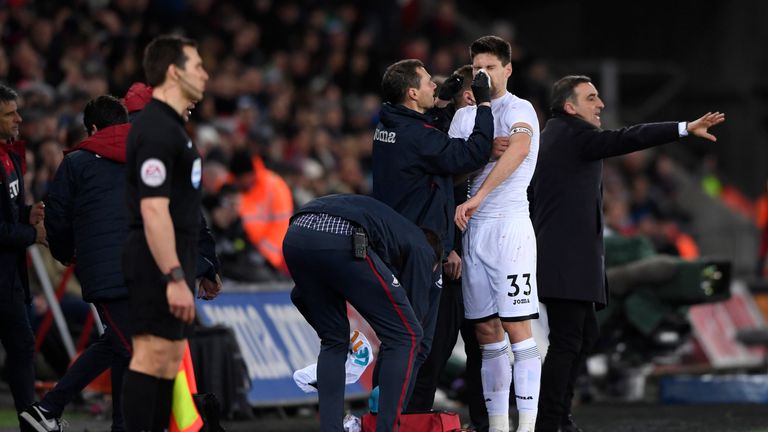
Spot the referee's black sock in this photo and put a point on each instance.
(163, 404)
(139, 401)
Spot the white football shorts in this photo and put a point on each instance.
(499, 270)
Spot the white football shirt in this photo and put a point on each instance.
(510, 198)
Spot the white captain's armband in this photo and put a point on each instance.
(524, 130)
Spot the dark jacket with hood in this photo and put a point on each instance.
(15, 231)
(85, 216)
(399, 243)
(566, 200)
(413, 165)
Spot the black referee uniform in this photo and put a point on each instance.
(161, 161)
(388, 283)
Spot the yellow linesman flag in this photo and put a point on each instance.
(184, 414)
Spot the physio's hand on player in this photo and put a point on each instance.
(452, 265)
(481, 87)
(500, 145)
(465, 211)
(180, 301)
(450, 87)
(209, 289)
(37, 213)
(699, 126)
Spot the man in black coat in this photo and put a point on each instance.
(566, 210)
(20, 226)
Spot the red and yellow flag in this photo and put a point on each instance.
(184, 414)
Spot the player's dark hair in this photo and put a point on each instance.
(466, 73)
(492, 45)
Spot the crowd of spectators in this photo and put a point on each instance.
(293, 83)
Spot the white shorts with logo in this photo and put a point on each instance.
(499, 270)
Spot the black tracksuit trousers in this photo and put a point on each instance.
(327, 275)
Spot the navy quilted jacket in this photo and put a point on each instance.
(85, 215)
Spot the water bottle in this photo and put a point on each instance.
(373, 400)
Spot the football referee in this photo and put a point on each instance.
(163, 176)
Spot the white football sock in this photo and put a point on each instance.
(496, 377)
(527, 376)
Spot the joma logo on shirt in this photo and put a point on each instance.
(13, 188)
(384, 136)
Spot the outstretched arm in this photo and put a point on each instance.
(700, 126)
(601, 144)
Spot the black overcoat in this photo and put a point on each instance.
(566, 202)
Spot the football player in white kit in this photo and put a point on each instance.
(500, 246)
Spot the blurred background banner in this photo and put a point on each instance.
(717, 325)
(274, 340)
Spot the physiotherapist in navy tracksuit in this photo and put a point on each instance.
(414, 163)
(354, 248)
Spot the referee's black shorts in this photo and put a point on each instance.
(147, 288)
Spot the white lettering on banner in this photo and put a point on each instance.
(299, 338)
(262, 356)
